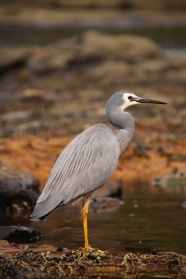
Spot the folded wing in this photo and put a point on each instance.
(84, 165)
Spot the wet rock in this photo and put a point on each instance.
(18, 190)
(110, 189)
(104, 204)
(107, 197)
(37, 262)
(19, 234)
(174, 182)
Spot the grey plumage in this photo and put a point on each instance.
(90, 159)
(83, 166)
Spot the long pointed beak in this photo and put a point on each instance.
(149, 101)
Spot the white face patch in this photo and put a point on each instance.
(127, 101)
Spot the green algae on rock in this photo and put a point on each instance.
(174, 182)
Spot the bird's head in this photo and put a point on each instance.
(124, 99)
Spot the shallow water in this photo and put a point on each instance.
(145, 221)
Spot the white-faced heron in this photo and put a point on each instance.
(89, 160)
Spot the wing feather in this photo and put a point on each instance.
(84, 165)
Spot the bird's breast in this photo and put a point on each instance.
(124, 138)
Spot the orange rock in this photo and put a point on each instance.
(38, 154)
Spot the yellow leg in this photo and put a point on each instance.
(84, 212)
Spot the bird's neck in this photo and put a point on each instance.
(121, 119)
(125, 122)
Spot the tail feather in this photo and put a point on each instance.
(43, 209)
(42, 218)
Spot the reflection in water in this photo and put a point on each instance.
(145, 221)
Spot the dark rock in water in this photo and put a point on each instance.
(18, 190)
(175, 182)
(107, 197)
(110, 189)
(20, 234)
(104, 204)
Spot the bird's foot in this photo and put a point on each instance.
(87, 247)
(82, 253)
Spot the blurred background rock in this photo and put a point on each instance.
(61, 60)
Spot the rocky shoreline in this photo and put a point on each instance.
(45, 261)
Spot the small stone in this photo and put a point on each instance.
(102, 255)
(98, 258)
(87, 263)
(59, 249)
(154, 251)
(68, 254)
(94, 255)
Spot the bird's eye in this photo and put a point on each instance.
(130, 97)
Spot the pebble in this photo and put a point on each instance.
(94, 255)
(103, 255)
(154, 251)
(59, 249)
(68, 254)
